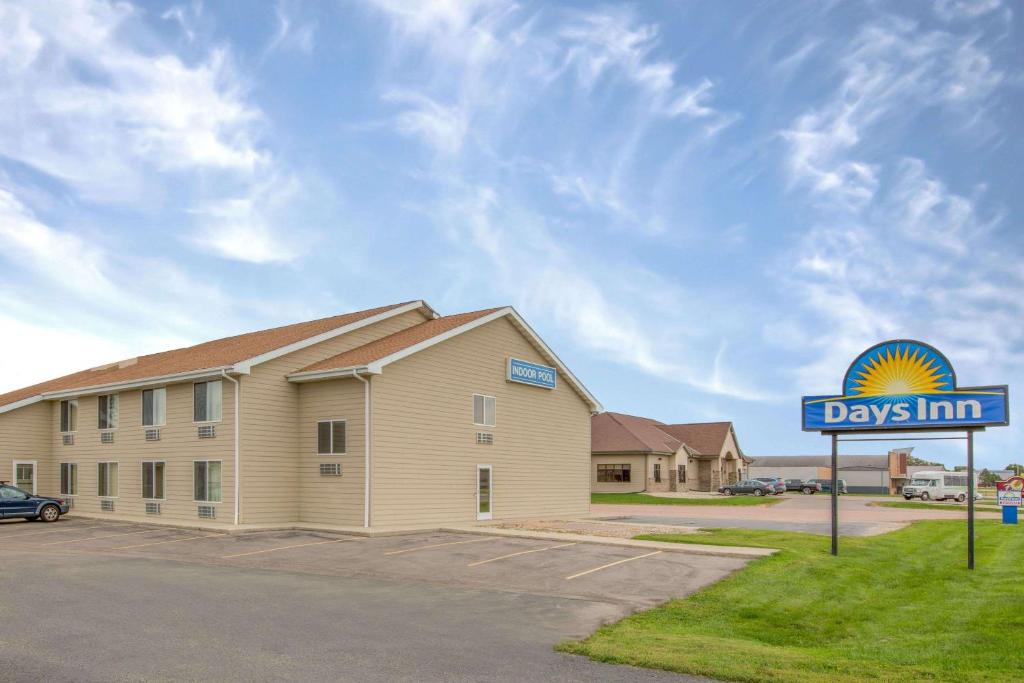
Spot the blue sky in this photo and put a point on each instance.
(707, 209)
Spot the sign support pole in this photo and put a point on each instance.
(835, 494)
(970, 499)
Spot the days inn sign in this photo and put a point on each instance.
(904, 384)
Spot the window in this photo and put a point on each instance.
(483, 410)
(206, 479)
(154, 407)
(153, 480)
(207, 401)
(612, 473)
(107, 479)
(330, 437)
(657, 473)
(69, 415)
(108, 412)
(682, 474)
(68, 478)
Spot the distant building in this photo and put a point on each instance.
(882, 474)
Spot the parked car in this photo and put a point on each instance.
(17, 503)
(826, 485)
(805, 487)
(752, 486)
(777, 484)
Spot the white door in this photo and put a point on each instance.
(25, 475)
(483, 492)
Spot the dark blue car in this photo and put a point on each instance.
(17, 503)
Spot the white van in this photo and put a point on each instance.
(937, 486)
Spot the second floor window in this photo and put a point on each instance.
(483, 410)
(330, 437)
(207, 401)
(69, 415)
(108, 412)
(154, 407)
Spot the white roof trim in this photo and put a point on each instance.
(245, 367)
(20, 404)
(377, 367)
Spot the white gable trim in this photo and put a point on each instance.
(377, 367)
(245, 367)
(20, 404)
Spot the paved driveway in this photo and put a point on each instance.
(87, 600)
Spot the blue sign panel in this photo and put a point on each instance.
(530, 373)
(905, 384)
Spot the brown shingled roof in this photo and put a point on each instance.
(707, 438)
(620, 433)
(393, 343)
(212, 354)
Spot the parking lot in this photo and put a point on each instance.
(394, 607)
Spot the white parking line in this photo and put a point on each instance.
(286, 547)
(524, 552)
(96, 538)
(438, 545)
(611, 564)
(69, 528)
(176, 540)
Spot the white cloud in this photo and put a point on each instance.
(441, 127)
(950, 10)
(288, 36)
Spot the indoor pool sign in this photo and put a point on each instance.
(535, 375)
(904, 384)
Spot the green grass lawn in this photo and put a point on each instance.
(955, 507)
(644, 499)
(897, 607)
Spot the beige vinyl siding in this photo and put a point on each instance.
(636, 481)
(423, 438)
(25, 435)
(178, 447)
(270, 423)
(331, 499)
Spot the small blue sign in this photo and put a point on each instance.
(904, 384)
(530, 373)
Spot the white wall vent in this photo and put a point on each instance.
(207, 511)
(107, 505)
(106, 437)
(152, 508)
(207, 431)
(485, 438)
(68, 439)
(330, 469)
(152, 435)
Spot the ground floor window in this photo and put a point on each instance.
(657, 473)
(107, 479)
(682, 474)
(612, 473)
(206, 477)
(68, 478)
(153, 480)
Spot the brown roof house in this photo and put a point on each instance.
(387, 417)
(630, 454)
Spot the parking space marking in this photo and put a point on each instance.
(175, 540)
(287, 547)
(611, 564)
(523, 552)
(439, 545)
(53, 531)
(96, 538)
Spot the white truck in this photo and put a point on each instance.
(937, 486)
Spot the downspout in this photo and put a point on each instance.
(366, 447)
(238, 410)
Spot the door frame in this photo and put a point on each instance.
(484, 516)
(35, 473)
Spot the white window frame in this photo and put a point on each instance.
(142, 402)
(108, 463)
(207, 502)
(332, 421)
(208, 422)
(494, 411)
(117, 422)
(60, 406)
(35, 473)
(60, 468)
(142, 481)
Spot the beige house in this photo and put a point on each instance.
(386, 417)
(632, 454)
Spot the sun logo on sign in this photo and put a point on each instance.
(899, 370)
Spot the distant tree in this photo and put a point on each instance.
(914, 460)
(960, 468)
(986, 478)
(1016, 469)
